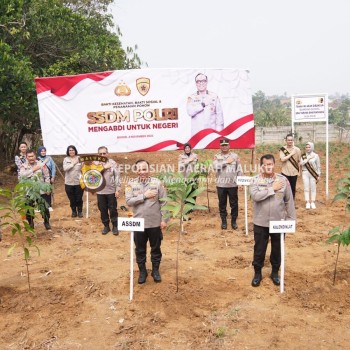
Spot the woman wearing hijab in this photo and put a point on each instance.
(187, 160)
(51, 166)
(311, 170)
(187, 163)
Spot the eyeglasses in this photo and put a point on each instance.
(102, 154)
(201, 81)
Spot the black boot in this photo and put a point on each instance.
(223, 223)
(106, 229)
(47, 225)
(74, 212)
(155, 273)
(115, 230)
(30, 221)
(257, 278)
(143, 274)
(80, 212)
(274, 276)
(234, 224)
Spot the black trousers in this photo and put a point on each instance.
(293, 183)
(107, 205)
(30, 215)
(261, 238)
(155, 236)
(194, 186)
(75, 196)
(231, 193)
(48, 198)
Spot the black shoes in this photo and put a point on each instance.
(80, 214)
(115, 230)
(74, 214)
(275, 279)
(105, 230)
(224, 225)
(47, 225)
(143, 274)
(256, 279)
(234, 224)
(155, 274)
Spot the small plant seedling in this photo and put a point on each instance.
(180, 201)
(341, 235)
(15, 207)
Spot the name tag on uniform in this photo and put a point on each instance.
(244, 180)
(131, 224)
(282, 226)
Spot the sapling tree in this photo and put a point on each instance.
(15, 206)
(202, 169)
(180, 201)
(341, 235)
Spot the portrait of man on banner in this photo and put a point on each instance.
(204, 107)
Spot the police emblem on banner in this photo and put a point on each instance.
(91, 173)
(122, 89)
(143, 85)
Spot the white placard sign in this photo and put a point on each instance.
(244, 180)
(311, 108)
(282, 226)
(131, 224)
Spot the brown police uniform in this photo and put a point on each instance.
(268, 206)
(106, 198)
(43, 175)
(226, 184)
(151, 210)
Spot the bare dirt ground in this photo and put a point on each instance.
(80, 282)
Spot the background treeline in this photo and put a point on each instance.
(49, 38)
(276, 110)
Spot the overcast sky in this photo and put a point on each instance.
(300, 46)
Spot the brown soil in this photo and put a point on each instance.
(80, 283)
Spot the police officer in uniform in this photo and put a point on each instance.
(273, 200)
(227, 166)
(31, 169)
(107, 197)
(204, 107)
(143, 194)
(187, 164)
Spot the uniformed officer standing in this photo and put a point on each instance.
(107, 197)
(187, 161)
(187, 165)
(273, 200)
(143, 194)
(227, 166)
(204, 107)
(31, 169)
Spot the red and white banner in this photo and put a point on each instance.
(146, 110)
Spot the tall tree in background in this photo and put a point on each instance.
(49, 38)
(269, 112)
(341, 115)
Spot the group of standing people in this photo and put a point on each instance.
(294, 164)
(272, 194)
(38, 165)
